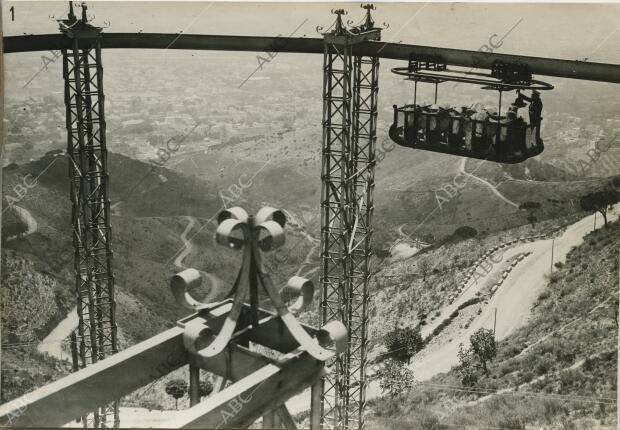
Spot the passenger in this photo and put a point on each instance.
(467, 128)
(456, 130)
(410, 129)
(479, 120)
(492, 131)
(518, 128)
(505, 137)
(518, 103)
(421, 123)
(444, 123)
(535, 111)
(433, 133)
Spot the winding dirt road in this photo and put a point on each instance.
(26, 217)
(514, 298)
(492, 187)
(52, 344)
(214, 281)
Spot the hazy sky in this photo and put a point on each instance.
(570, 31)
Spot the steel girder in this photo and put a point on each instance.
(260, 384)
(88, 171)
(571, 69)
(350, 89)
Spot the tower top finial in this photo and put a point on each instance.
(71, 13)
(84, 17)
(339, 27)
(369, 23)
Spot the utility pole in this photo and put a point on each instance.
(494, 322)
(594, 228)
(552, 246)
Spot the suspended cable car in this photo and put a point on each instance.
(471, 131)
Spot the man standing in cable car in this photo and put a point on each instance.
(535, 111)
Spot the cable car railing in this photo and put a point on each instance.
(446, 130)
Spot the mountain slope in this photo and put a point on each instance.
(558, 371)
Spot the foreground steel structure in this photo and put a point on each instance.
(219, 338)
(260, 384)
(350, 90)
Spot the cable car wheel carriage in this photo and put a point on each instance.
(482, 135)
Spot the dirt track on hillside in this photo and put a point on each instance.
(214, 281)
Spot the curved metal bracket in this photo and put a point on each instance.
(303, 288)
(181, 283)
(255, 235)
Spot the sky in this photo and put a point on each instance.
(568, 31)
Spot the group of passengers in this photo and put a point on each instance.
(477, 128)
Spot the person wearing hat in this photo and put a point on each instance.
(456, 128)
(433, 135)
(518, 103)
(516, 137)
(535, 111)
(505, 135)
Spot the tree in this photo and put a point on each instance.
(600, 201)
(428, 238)
(176, 388)
(425, 267)
(529, 205)
(205, 388)
(465, 232)
(483, 346)
(396, 378)
(467, 367)
(403, 343)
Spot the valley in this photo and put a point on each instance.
(458, 244)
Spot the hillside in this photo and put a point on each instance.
(146, 237)
(558, 371)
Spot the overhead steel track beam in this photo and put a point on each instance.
(584, 70)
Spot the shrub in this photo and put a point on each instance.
(529, 205)
(526, 377)
(467, 367)
(483, 346)
(403, 343)
(469, 302)
(205, 388)
(465, 232)
(176, 388)
(396, 378)
(512, 423)
(543, 365)
(544, 295)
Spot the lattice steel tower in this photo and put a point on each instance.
(350, 89)
(88, 170)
